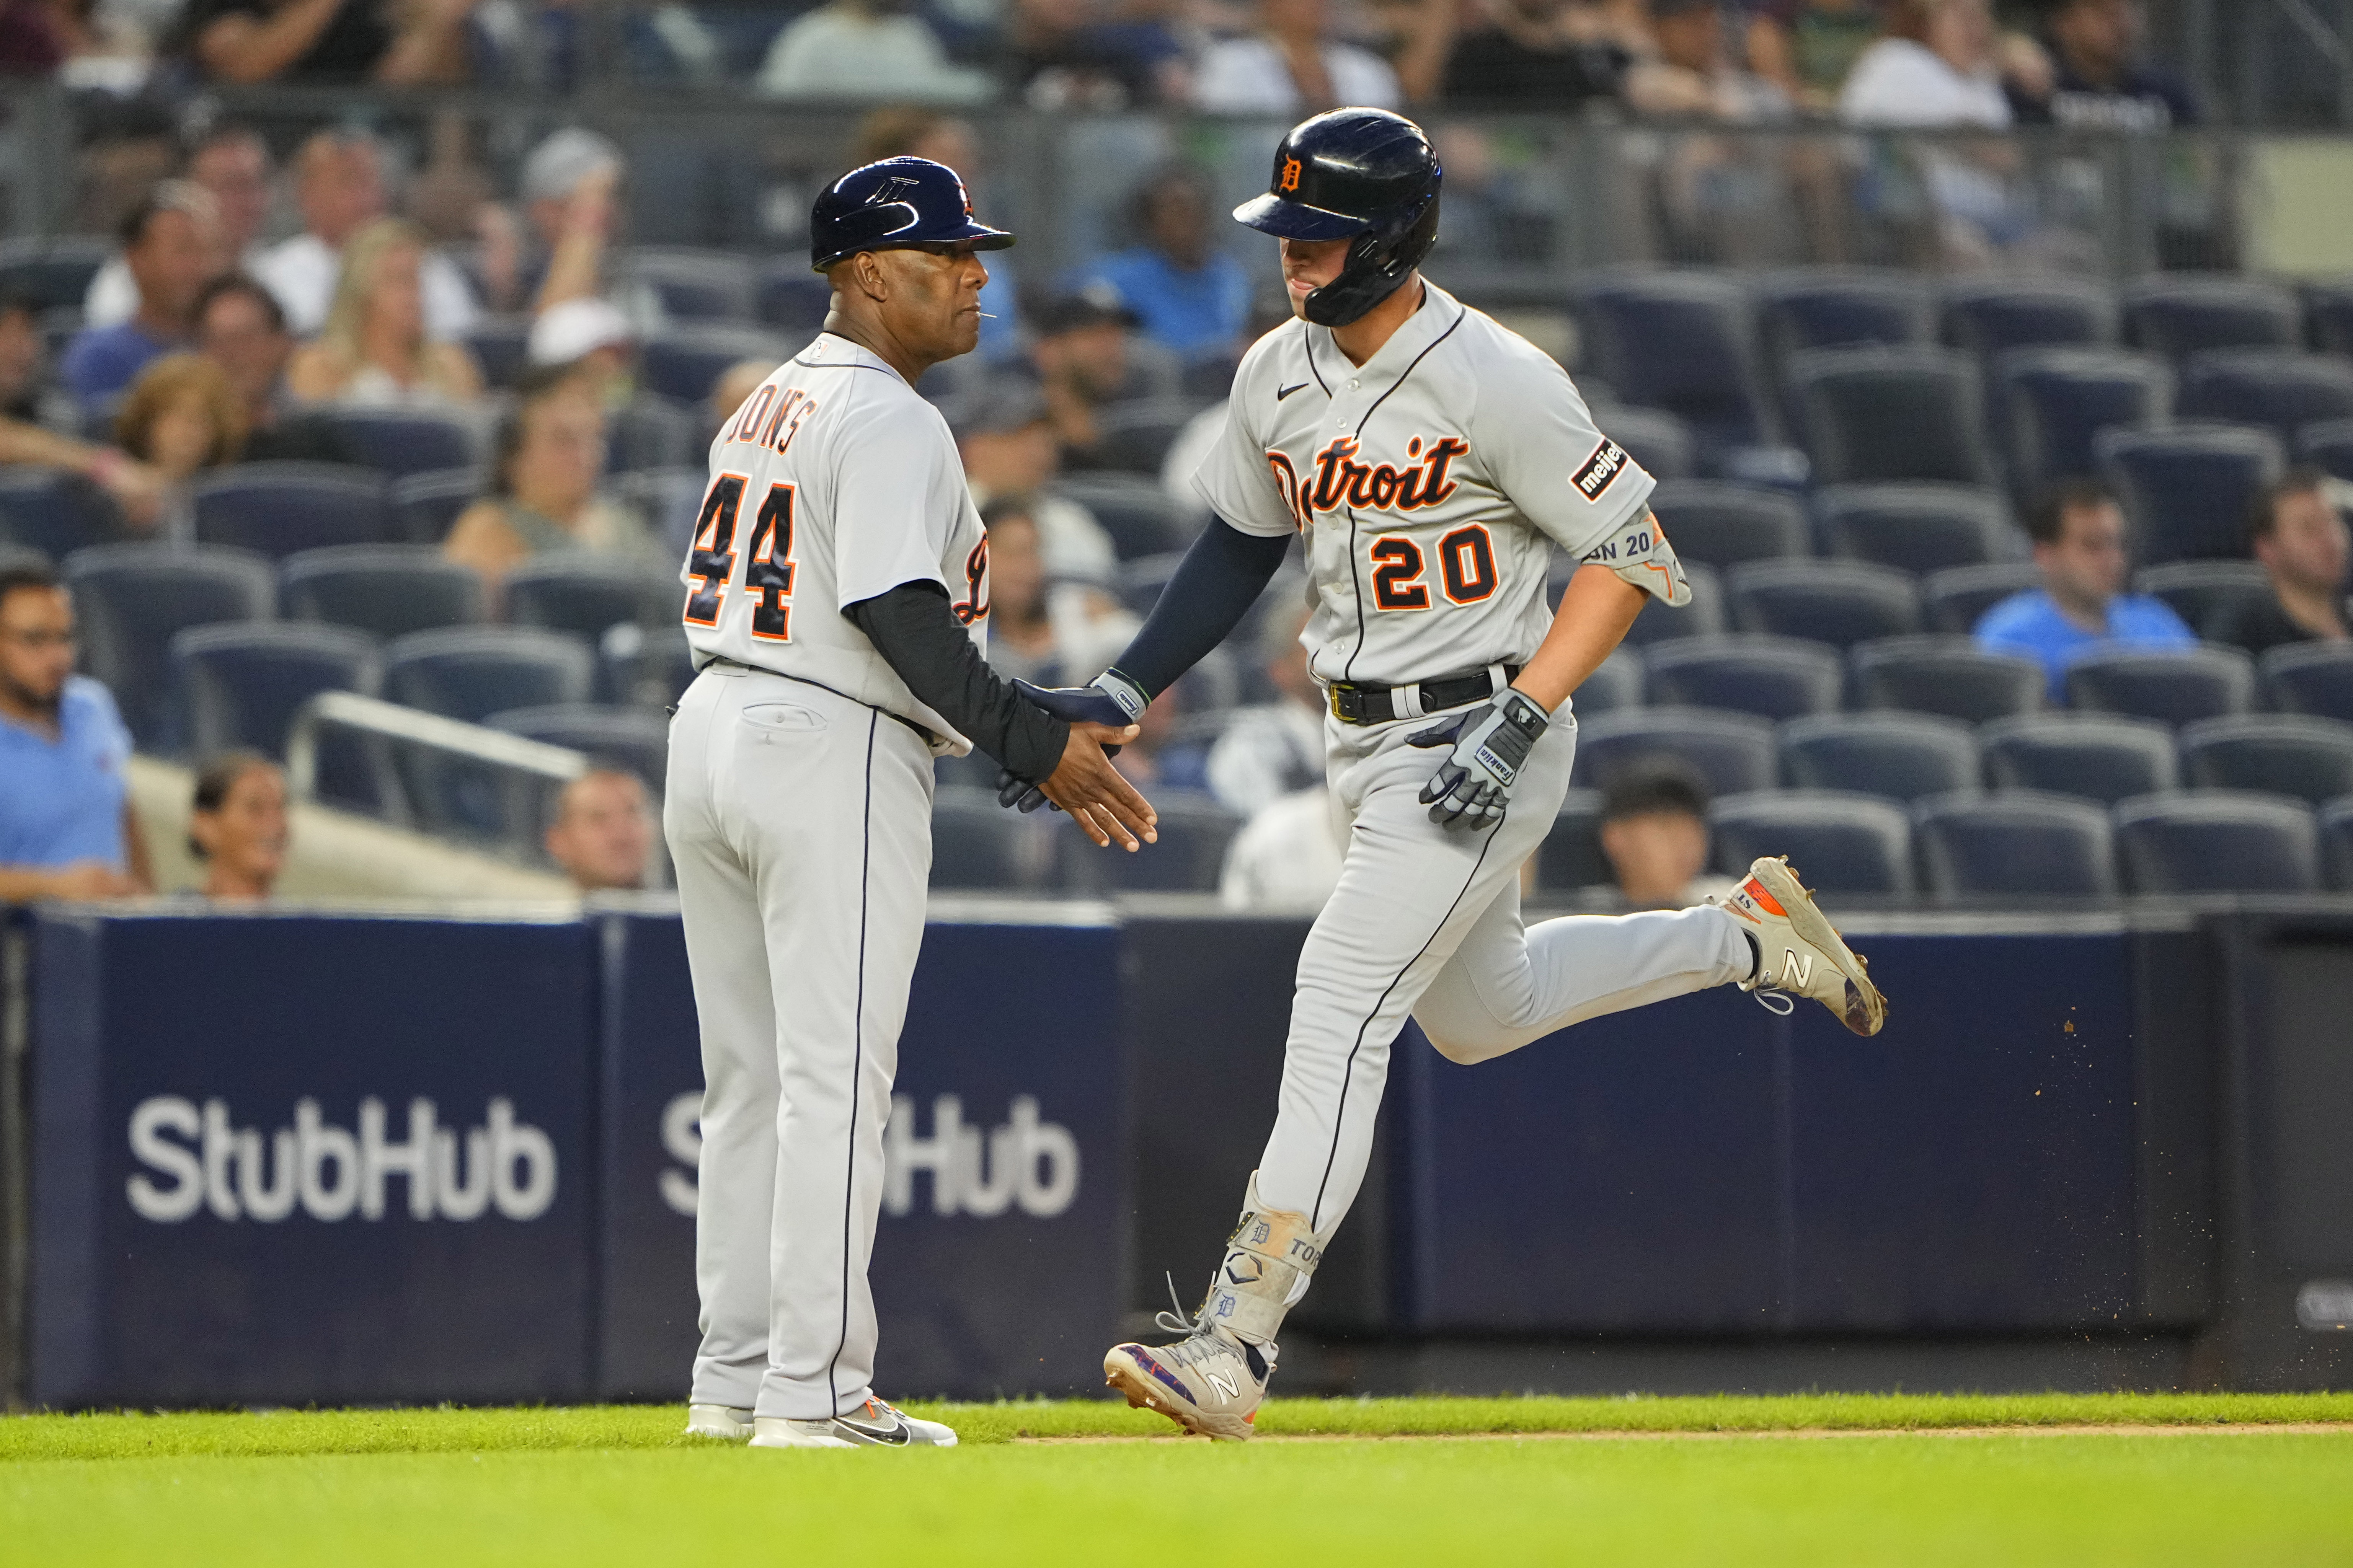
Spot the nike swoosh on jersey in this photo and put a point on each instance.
(1284, 392)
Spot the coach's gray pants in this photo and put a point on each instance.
(799, 823)
(1425, 923)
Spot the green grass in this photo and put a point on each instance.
(618, 1485)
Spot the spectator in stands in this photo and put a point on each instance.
(1182, 289)
(602, 834)
(66, 828)
(1807, 47)
(240, 329)
(1084, 56)
(1535, 54)
(568, 186)
(1291, 66)
(1287, 857)
(232, 162)
(1654, 835)
(1040, 630)
(237, 827)
(327, 41)
(867, 48)
(181, 416)
(169, 243)
(1079, 353)
(2079, 546)
(27, 393)
(1277, 749)
(1933, 65)
(376, 350)
(542, 497)
(1010, 453)
(37, 421)
(737, 383)
(1693, 76)
(339, 186)
(2295, 530)
(912, 131)
(2099, 80)
(590, 339)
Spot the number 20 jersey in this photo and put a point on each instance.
(833, 483)
(1430, 484)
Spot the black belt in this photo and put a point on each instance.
(1378, 704)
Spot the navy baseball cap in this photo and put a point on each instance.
(891, 205)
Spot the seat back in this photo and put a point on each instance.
(2217, 841)
(645, 667)
(1916, 526)
(1733, 751)
(2335, 822)
(1946, 675)
(1986, 317)
(2177, 315)
(1899, 756)
(2187, 487)
(2095, 756)
(503, 348)
(2327, 445)
(386, 590)
(976, 843)
(426, 507)
(472, 672)
(1773, 678)
(1135, 437)
(2051, 403)
(684, 362)
(2174, 686)
(1839, 841)
(1663, 443)
(1725, 524)
(1956, 597)
(242, 684)
(1837, 602)
(1570, 855)
(2281, 390)
(1135, 512)
(1826, 308)
(1616, 684)
(651, 431)
(693, 285)
(2310, 677)
(279, 508)
(2276, 753)
(586, 594)
(1677, 340)
(791, 298)
(404, 441)
(2015, 843)
(52, 274)
(2204, 593)
(55, 512)
(1194, 829)
(131, 600)
(634, 739)
(1890, 412)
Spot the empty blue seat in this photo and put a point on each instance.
(1837, 602)
(2336, 821)
(55, 512)
(1133, 437)
(792, 298)
(634, 739)
(2327, 445)
(1615, 685)
(652, 431)
(2281, 390)
(1733, 751)
(131, 600)
(2311, 678)
(1918, 526)
(1195, 832)
(2329, 314)
(2187, 487)
(1661, 442)
(693, 285)
(425, 506)
(1946, 675)
(1677, 340)
(2217, 841)
(1990, 316)
(404, 441)
(503, 348)
(1773, 678)
(976, 843)
(472, 672)
(1570, 855)
(2174, 686)
(1912, 412)
(1725, 524)
(389, 590)
(242, 684)
(1902, 756)
(2204, 593)
(2051, 403)
(1137, 512)
(2178, 314)
(2278, 754)
(1837, 841)
(1956, 598)
(278, 509)
(1828, 308)
(2097, 756)
(1658, 623)
(585, 594)
(651, 668)
(2015, 843)
(685, 363)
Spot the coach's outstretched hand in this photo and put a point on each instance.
(1473, 785)
(1085, 784)
(1108, 701)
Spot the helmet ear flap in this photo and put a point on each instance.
(1378, 261)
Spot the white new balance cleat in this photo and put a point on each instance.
(1208, 1383)
(873, 1424)
(1799, 954)
(729, 1425)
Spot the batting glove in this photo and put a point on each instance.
(1490, 743)
(1112, 699)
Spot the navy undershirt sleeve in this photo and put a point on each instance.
(1214, 585)
(915, 632)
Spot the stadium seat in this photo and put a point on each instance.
(242, 684)
(1135, 512)
(1902, 756)
(1658, 623)
(24, 557)
(472, 672)
(1837, 602)
(1946, 675)
(1570, 855)
(1912, 412)
(2095, 756)
(55, 512)
(2327, 446)
(2187, 487)
(1661, 442)
(404, 441)
(1615, 686)
(131, 600)
(1677, 340)
(584, 593)
(2329, 314)
(1988, 316)
(651, 431)
(1133, 437)
(503, 348)
(2310, 677)
(52, 274)
(2335, 823)
(1839, 841)
(1916, 526)
(692, 285)
(2015, 843)
(2174, 686)
(1828, 308)
(684, 362)
(279, 508)
(1733, 751)
(1773, 678)
(426, 507)
(1195, 832)
(2276, 753)
(976, 843)
(647, 668)
(1141, 580)
(668, 499)
(2177, 315)
(1958, 598)
(2202, 591)
(2282, 390)
(2050, 404)
(1725, 524)
(387, 590)
(635, 739)
(791, 298)
(2217, 841)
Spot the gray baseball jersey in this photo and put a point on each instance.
(1433, 482)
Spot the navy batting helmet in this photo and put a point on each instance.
(1360, 173)
(891, 205)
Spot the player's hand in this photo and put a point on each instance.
(1085, 784)
(1109, 702)
(1489, 744)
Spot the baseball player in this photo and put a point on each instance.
(837, 602)
(1432, 461)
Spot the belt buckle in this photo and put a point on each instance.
(1341, 695)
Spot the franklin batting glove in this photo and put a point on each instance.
(1490, 743)
(1112, 699)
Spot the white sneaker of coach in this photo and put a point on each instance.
(718, 1421)
(1799, 954)
(873, 1424)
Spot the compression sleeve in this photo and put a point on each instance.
(911, 627)
(1214, 585)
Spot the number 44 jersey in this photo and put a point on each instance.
(833, 483)
(1431, 484)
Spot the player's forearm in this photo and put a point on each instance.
(917, 636)
(1595, 613)
(1214, 585)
